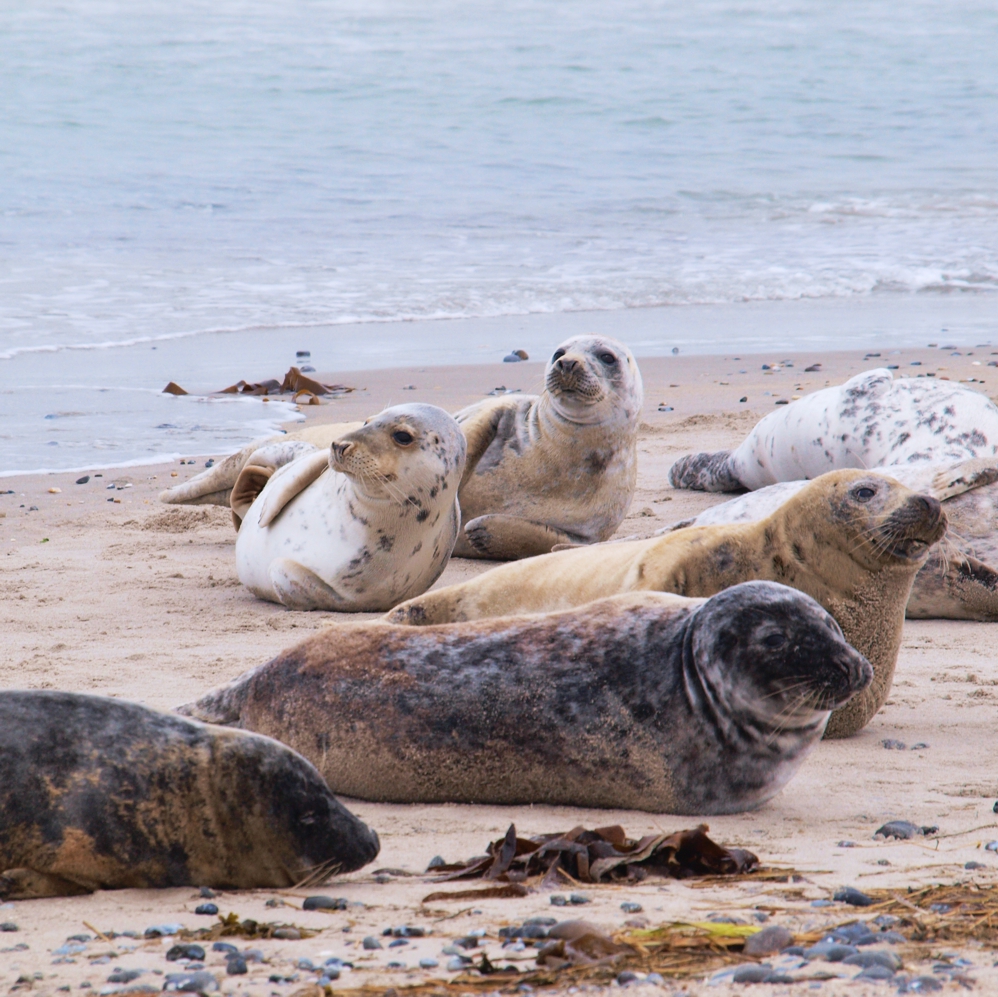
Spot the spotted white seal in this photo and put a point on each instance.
(870, 421)
(643, 701)
(364, 526)
(559, 467)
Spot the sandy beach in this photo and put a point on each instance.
(108, 591)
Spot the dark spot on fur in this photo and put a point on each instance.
(798, 553)
(596, 463)
(423, 515)
(386, 543)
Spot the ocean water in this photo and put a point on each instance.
(226, 181)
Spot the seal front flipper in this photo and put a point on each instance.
(954, 587)
(705, 472)
(507, 538)
(962, 477)
(211, 487)
(257, 471)
(298, 588)
(298, 476)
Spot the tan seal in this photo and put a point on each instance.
(850, 540)
(100, 794)
(959, 581)
(559, 467)
(363, 526)
(643, 701)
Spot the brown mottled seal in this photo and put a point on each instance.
(643, 701)
(559, 467)
(853, 541)
(100, 794)
(959, 581)
(871, 421)
(363, 526)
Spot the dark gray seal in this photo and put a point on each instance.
(100, 794)
(643, 701)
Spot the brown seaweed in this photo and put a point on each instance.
(602, 855)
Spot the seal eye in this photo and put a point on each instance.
(774, 640)
(608, 358)
(402, 438)
(558, 354)
(864, 494)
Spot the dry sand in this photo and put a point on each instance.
(106, 591)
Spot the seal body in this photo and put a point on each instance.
(101, 794)
(850, 540)
(362, 528)
(870, 421)
(642, 701)
(560, 467)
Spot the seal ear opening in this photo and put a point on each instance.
(247, 488)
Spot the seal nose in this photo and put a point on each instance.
(566, 364)
(930, 508)
(340, 450)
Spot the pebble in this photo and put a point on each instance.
(627, 977)
(920, 985)
(892, 745)
(665, 408)
(822, 903)
(857, 933)
(903, 830)
(628, 907)
(511, 358)
(406, 931)
(880, 957)
(752, 973)
(991, 846)
(324, 903)
(398, 942)
(225, 947)
(457, 963)
(775, 938)
(436, 862)
(920, 746)
(162, 930)
(675, 350)
(207, 893)
(830, 951)
(744, 398)
(846, 844)
(206, 909)
(125, 975)
(577, 899)
(185, 951)
(8, 926)
(200, 982)
(975, 865)
(287, 934)
(83, 480)
(875, 973)
(428, 963)
(209, 462)
(371, 943)
(855, 898)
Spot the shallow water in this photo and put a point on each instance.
(253, 173)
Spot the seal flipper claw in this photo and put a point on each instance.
(705, 472)
(962, 477)
(507, 538)
(298, 588)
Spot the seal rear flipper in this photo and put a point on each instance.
(28, 884)
(298, 476)
(705, 472)
(507, 538)
(211, 487)
(298, 588)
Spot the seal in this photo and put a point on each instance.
(870, 421)
(99, 794)
(559, 467)
(959, 581)
(852, 541)
(379, 529)
(642, 701)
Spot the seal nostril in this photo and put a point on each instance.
(567, 364)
